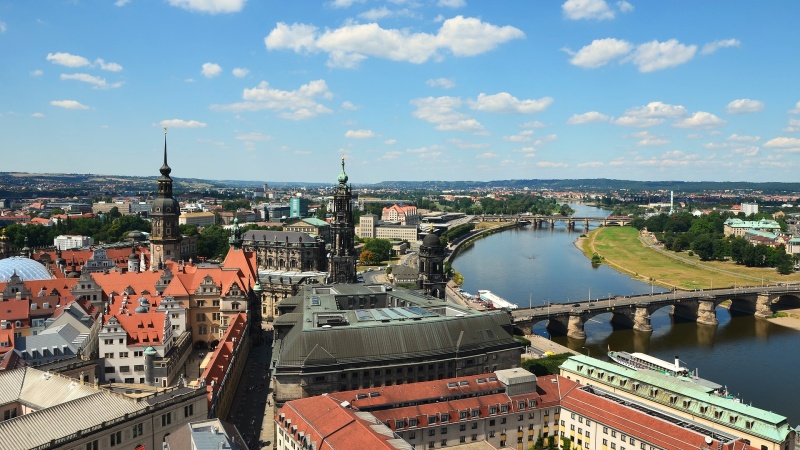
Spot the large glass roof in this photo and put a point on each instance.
(26, 268)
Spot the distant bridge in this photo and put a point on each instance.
(635, 311)
(539, 221)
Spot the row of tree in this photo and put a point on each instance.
(111, 227)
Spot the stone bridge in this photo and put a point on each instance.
(539, 221)
(635, 311)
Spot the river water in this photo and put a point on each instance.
(755, 359)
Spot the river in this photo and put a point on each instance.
(754, 358)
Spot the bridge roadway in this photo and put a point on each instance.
(539, 221)
(635, 311)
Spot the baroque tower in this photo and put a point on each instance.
(342, 258)
(431, 267)
(165, 239)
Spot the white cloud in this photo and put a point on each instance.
(712, 47)
(796, 109)
(587, 9)
(37, 115)
(738, 138)
(36, 73)
(296, 105)
(345, 3)
(533, 124)
(111, 67)
(624, 6)
(376, 14)
(715, 145)
(487, 155)
(468, 145)
(211, 70)
(654, 55)
(240, 72)
(744, 106)
(652, 142)
(349, 106)
(746, 151)
(639, 122)
(69, 104)
(209, 6)
(654, 113)
(121, 3)
(253, 137)
(359, 134)
(442, 111)
(600, 52)
(700, 120)
(548, 138)
(523, 136)
(350, 44)
(97, 82)
(3, 27)
(391, 155)
(444, 83)
(793, 126)
(390, 141)
(783, 143)
(452, 3)
(67, 59)
(551, 164)
(180, 123)
(588, 117)
(504, 102)
(591, 164)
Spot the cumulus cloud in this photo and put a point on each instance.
(744, 106)
(487, 155)
(359, 134)
(712, 47)
(533, 124)
(600, 52)
(793, 126)
(69, 104)
(738, 138)
(587, 9)
(654, 113)
(444, 83)
(796, 109)
(211, 70)
(523, 136)
(255, 136)
(700, 120)
(783, 143)
(588, 117)
(121, 3)
(209, 6)
(654, 55)
(349, 106)
(452, 3)
(37, 115)
(68, 60)
(443, 112)
(376, 13)
(504, 102)
(36, 73)
(591, 164)
(296, 105)
(111, 66)
(240, 72)
(96, 82)
(3, 27)
(180, 123)
(350, 44)
(345, 3)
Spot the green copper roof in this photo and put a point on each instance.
(342, 175)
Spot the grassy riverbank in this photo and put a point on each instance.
(622, 250)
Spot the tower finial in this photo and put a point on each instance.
(342, 176)
(165, 169)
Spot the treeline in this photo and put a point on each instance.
(109, 228)
(455, 233)
(704, 235)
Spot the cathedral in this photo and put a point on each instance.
(342, 258)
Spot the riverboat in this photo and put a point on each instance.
(638, 361)
(493, 301)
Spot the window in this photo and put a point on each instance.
(201, 304)
(138, 367)
(605, 430)
(125, 369)
(613, 433)
(108, 341)
(412, 422)
(166, 419)
(491, 423)
(475, 412)
(399, 424)
(138, 354)
(116, 438)
(462, 427)
(431, 432)
(202, 329)
(91, 445)
(188, 410)
(215, 302)
(444, 442)
(215, 317)
(108, 356)
(444, 430)
(201, 317)
(462, 439)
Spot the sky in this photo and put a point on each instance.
(275, 90)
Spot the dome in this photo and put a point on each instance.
(150, 351)
(342, 176)
(26, 268)
(431, 240)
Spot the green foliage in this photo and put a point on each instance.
(381, 249)
(456, 232)
(566, 443)
(188, 230)
(523, 340)
(596, 259)
(105, 229)
(389, 270)
(213, 242)
(322, 211)
(235, 205)
(547, 365)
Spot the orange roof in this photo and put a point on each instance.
(7, 339)
(144, 329)
(220, 360)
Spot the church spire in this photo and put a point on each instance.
(165, 169)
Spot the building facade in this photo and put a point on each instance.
(431, 267)
(343, 258)
(66, 242)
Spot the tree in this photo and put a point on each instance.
(366, 258)
(213, 242)
(381, 249)
(704, 247)
(322, 211)
(114, 213)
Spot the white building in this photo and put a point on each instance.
(200, 219)
(67, 242)
(749, 208)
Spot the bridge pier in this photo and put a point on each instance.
(763, 305)
(586, 225)
(641, 320)
(706, 313)
(575, 326)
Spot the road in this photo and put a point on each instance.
(248, 411)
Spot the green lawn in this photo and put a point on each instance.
(622, 250)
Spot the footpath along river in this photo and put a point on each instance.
(754, 358)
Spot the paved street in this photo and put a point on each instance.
(250, 412)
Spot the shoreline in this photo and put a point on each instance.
(791, 321)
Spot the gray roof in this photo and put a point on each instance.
(61, 337)
(26, 268)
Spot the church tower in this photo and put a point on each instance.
(431, 267)
(165, 239)
(342, 257)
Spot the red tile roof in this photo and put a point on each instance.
(144, 329)
(220, 360)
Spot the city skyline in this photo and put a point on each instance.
(403, 89)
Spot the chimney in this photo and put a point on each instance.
(677, 363)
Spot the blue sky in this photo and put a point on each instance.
(269, 90)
